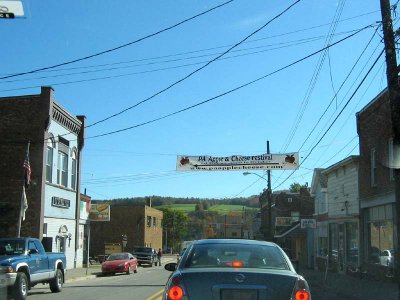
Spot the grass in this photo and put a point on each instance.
(221, 209)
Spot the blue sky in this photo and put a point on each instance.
(282, 108)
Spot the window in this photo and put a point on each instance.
(49, 159)
(62, 169)
(154, 222)
(380, 232)
(391, 159)
(373, 167)
(148, 221)
(73, 170)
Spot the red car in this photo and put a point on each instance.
(119, 263)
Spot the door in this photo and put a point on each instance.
(341, 249)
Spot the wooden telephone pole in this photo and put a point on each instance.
(394, 97)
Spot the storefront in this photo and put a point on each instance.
(379, 229)
(344, 245)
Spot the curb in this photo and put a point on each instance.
(86, 277)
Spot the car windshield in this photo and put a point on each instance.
(12, 247)
(118, 256)
(236, 255)
(143, 249)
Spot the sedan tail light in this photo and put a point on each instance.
(175, 289)
(301, 290)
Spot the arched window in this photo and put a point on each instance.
(73, 168)
(49, 158)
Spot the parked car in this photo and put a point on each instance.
(24, 263)
(119, 263)
(145, 255)
(386, 258)
(234, 269)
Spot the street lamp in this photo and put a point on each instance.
(269, 199)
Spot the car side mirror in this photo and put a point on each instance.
(170, 267)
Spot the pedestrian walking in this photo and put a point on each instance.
(159, 254)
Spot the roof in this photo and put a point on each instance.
(318, 178)
(343, 162)
(232, 241)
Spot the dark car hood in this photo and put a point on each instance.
(205, 283)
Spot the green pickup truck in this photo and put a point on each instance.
(24, 263)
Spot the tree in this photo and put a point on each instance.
(174, 227)
(295, 187)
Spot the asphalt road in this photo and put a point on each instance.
(147, 284)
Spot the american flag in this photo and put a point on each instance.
(28, 171)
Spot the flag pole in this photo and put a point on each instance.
(23, 196)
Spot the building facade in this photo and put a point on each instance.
(319, 193)
(55, 139)
(377, 189)
(140, 225)
(343, 214)
(288, 209)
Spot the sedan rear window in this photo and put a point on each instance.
(236, 255)
(118, 256)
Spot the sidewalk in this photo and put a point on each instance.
(94, 270)
(339, 286)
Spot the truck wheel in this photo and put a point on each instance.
(56, 283)
(20, 290)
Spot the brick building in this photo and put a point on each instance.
(287, 211)
(142, 226)
(376, 185)
(56, 141)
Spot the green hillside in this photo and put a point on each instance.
(221, 209)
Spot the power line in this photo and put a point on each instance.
(280, 45)
(118, 47)
(334, 121)
(314, 77)
(230, 91)
(340, 88)
(197, 70)
(207, 49)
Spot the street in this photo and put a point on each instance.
(148, 283)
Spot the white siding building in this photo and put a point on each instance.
(343, 213)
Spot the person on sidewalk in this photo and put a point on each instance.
(159, 254)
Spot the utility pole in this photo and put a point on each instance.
(394, 98)
(269, 197)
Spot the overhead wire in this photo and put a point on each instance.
(314, 78)
(351, 113)
(336, 118)
(118, 47)
(198, 69)
(207, 49)
(270, 47)
(335, 96)
(229, 91)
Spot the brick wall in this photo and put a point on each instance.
(129, 220)
(375, 129)
(22, 119)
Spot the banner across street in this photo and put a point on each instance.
(289, 161)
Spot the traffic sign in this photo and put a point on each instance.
(11, 9)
